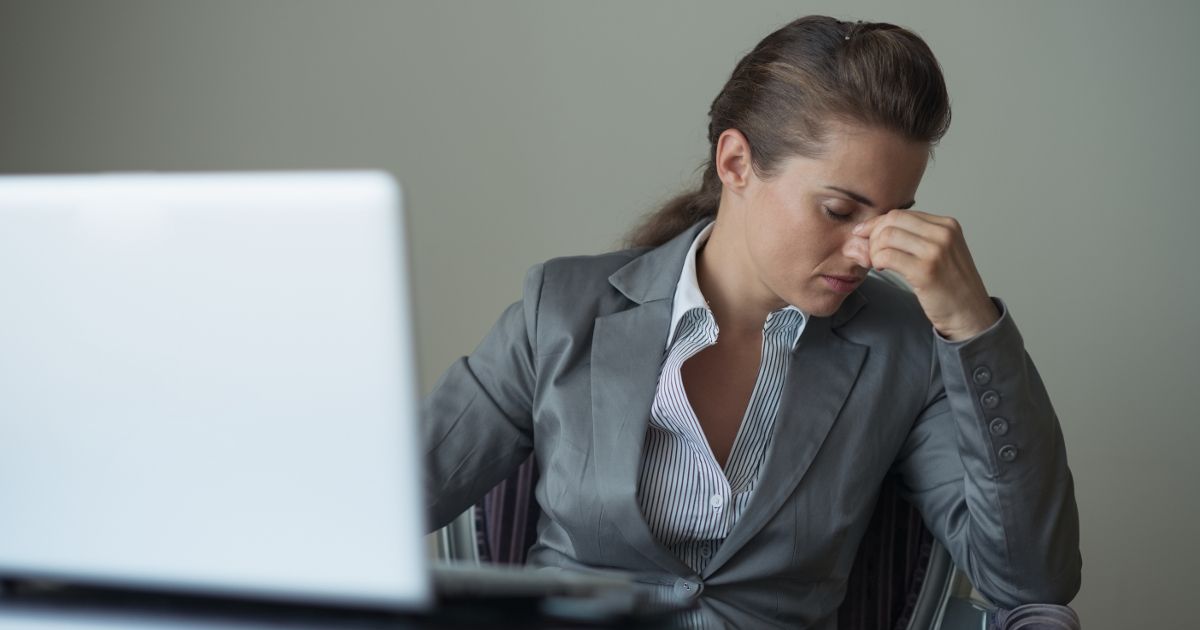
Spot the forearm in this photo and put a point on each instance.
(471, 444)
(1010, 519)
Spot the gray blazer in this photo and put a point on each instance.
(570, 372)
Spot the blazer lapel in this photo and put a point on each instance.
(820, 375)
(626, 357)
(627, 353)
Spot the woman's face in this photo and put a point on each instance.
(797, 225)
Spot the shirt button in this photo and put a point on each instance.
(982, 376)
(990, 399)
(998, 427)
(705, 550)
(687, 590)
(1008, 452)
(717, 501)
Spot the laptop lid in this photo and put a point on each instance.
(207, 384)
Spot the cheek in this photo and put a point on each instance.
(795, 244)
(785, 253)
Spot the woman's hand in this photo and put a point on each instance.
(930, 252)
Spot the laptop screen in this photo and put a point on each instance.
(207, 384)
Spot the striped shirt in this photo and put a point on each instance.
(689, 502)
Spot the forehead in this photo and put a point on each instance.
(873, 162)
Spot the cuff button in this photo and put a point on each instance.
(998, 427)
(1008, 452)
(990, 399)
(982, 376)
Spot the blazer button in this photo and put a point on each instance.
(998, 427)
(983, 376)
(990, 399)
(687, 590)
(1008, 452)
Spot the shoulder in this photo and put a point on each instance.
(641, 274)
(583, 274)
(570, 293)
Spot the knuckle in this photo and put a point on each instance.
(944, 235)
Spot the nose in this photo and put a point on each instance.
(858, 249)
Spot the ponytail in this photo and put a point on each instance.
(680, 213)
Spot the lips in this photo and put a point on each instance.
(842, 284)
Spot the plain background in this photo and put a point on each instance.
(528, 130)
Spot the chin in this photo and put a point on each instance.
(820, 306)
(824, 312)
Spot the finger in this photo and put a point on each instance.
(864, 229)
(892, 217)
(908, 220)
(899, 261)
(949, 222)
(894, 237)
(904, 217)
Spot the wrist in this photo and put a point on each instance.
(971, 324)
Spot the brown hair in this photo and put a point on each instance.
(785, 92)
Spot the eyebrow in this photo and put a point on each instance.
(867, 202)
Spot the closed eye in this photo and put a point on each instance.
(836, 216)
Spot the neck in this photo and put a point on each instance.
(739, 300)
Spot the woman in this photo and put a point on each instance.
(718, 405)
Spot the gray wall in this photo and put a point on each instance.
(527, 130)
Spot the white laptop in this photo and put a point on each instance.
(207, 386)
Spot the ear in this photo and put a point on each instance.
(733, 161)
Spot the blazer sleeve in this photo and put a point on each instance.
(986, 466)
(477, 422)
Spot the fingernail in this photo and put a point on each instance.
(858, 228)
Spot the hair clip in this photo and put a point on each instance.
(852, 27)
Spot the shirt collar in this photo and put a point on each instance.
(688, 295)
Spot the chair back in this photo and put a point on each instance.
(884, 589)
(506, 518)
